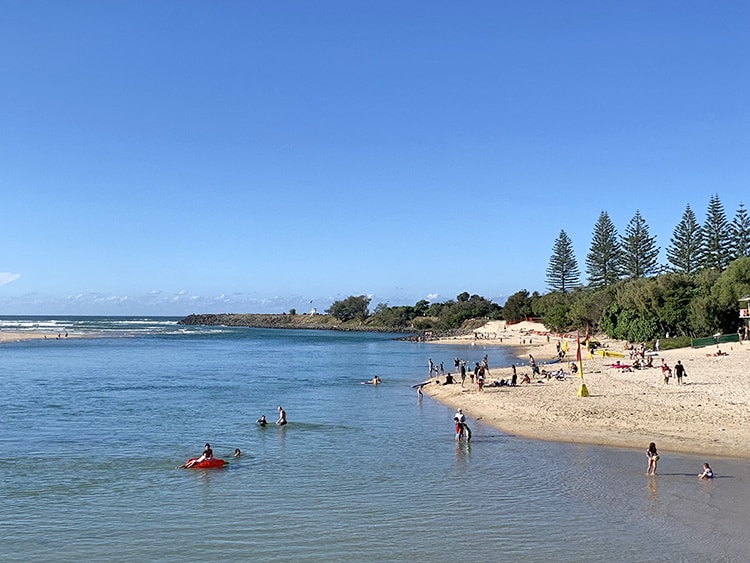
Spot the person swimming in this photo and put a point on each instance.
(262, 420)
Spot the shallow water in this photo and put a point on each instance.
(94, 429)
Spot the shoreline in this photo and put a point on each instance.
(708, 415)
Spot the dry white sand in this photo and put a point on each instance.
(709, 414)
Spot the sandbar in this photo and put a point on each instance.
(18, 336)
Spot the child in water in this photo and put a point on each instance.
(653, 457)
(708, 473)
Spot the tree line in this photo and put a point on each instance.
(629, 296)
(693, 247)
(423, 315)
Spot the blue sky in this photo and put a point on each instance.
(170, 157)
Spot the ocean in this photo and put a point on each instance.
(93, 431)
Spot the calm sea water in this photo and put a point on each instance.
(93, 430)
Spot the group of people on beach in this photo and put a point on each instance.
(208, 452)
(478, 375)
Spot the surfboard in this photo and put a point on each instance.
(420, 384)
(609, 354)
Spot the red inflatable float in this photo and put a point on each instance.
(212, 463)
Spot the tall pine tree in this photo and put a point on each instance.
(684, 249)
(639, 250)
(715, 249)
(740, 234)
(604, 257)
(562, 272)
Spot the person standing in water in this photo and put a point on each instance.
(282, 417)
(653, 457)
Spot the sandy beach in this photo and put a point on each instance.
(34, 335)
(709, 414)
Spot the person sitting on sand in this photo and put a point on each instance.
(448, 379)
(262, 420)
(207, 454)
(707, 472)
(282, 417)
(525, 378)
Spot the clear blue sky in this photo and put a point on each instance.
(173, 157)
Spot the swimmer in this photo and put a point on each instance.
(282, 417)
(262, 420)
(237, 452)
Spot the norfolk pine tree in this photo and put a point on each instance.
(740, 234)
(562, 272)
(715, 251)
(603, 259)
(684, 249)
(639, 250)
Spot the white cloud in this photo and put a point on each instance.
(432, 296)
(7, 277)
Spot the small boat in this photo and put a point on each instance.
(212, 463)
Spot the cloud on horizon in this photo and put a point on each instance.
(7, 277)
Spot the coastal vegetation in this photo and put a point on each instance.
(629, 295)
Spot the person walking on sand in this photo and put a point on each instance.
(679, 371)
(653, 457)
(666, 371)
(282, 417)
